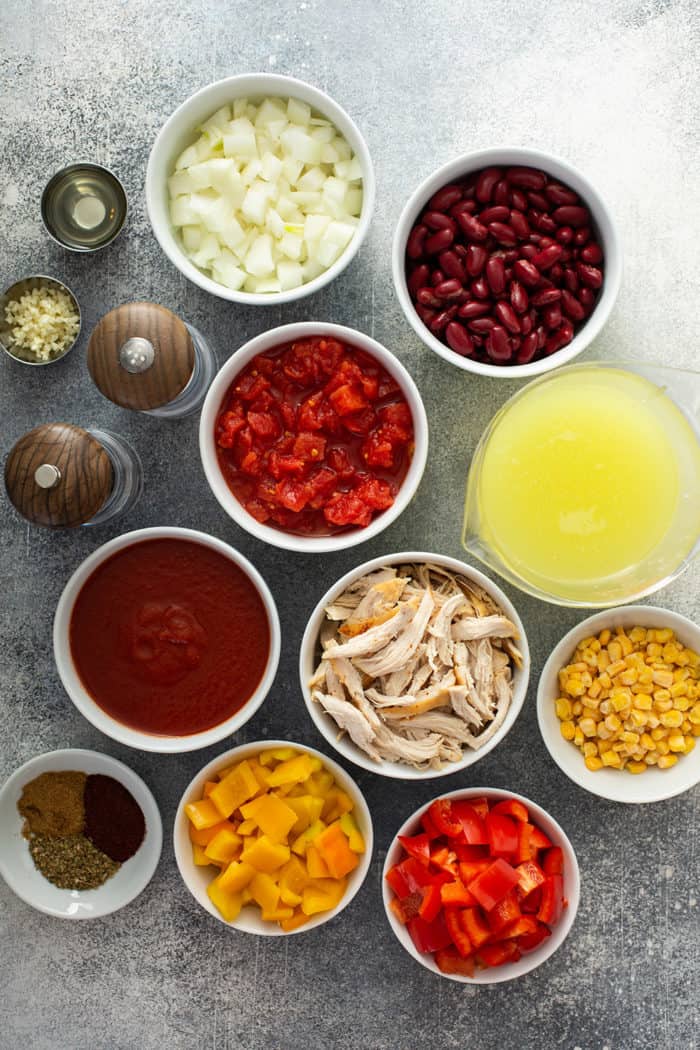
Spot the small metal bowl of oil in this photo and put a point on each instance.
(84, 207)
(18, 348)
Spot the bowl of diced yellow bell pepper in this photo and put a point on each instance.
(273, 838)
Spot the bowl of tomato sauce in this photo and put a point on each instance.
(167, 639)
(313, 437)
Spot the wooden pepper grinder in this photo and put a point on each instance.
(144, 357)
(60, 475)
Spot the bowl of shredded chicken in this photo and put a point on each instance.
(414, 665)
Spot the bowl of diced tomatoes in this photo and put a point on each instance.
(481, 885)
(313, 437)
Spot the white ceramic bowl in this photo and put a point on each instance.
(528, 962)
(93, 712)
(198, 878)
(603, 224)
(180, 130)
(17, 866)
(309, 657)
(614, 784)
(213, 404)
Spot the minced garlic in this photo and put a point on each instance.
(43, 321)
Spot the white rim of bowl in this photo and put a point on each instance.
(255, 84)
(183, 853)
(493, 975)
(91, 710)
(274, 337)
(328, 728)
(603, 782)
(133, 783)
(552, 165)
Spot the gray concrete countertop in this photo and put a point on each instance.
(614, 89)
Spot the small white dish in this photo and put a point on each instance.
(90, 708)
(179, 131)
(16, 864)
(196, 879)
(310, 653)
(213, 403)
(528, 962)
(511, 156)
(614, 784)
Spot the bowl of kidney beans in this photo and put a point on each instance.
(506, 262)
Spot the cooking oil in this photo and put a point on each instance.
(84, 207)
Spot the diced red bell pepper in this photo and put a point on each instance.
(530, 904)
(429, 826)
(539, 839)
(504, 913)
(480, 805)
(473, 827)
(448, 960)
(525, 849)
(397, 881)
(444, 859)
(475, 926)
(492, 885)
(498, 954)
(523, 926)
(455, 894)
(408, 908)
(470, 853)
(417, 846)
(502, 833)
(511, 807)
(417, 876)
(431, 903)
(442, 817)
(530, 876)
(460, 937)
(469, 869)
(429, 936)
(553, 863)
(527, 942)
(552, 900)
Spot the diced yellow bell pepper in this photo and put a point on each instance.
(264, 891)
(236, 876)
(337, 802)
(235, 789)
(274, 817)
(229, 904)
(294, 876)
(318, 869)
(199, 856)
(307, 808)
(335, 850)
(265, 855)
(209, 787)
(298, 919)
(322, 895)
(249, 809)
(276, 754)
(318, 783)
(301, 843)
(224, 846)
(203, 836)
(259, 772)
(294, 770)
(246, 827)
(289, 898)
(203, 814)
(278, 913)
(355, 839)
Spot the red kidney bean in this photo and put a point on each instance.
(480, 288)
(510, 256)
(496, 213)
(501, 193)
(526, 178)
(481, 325)
(486, 183)
(564, 234)
(559, 194)
(439, 241)
(425, 313)
(449, 289)
(560, 338)
(551, 315)
(556, 274)
(416, 241)
(439, 322)
(507, 316)
(460, 250)
(526, 324)
(475, 259)
(538, 202)
(547, 256)
(518, 200)
(471, 310)
(519, 223)
(582, 236)
(474, 230)
(534, 217)
(496, 274)
(452, 265)
(504, 234)
(528, 250)
(571, 281)
(418, 279)
(427, 297)
(437, 277)
(458, 339)
(591, 276)
(498, 345)
(446, 197)
(571, 215)
(586, 297)
(526, 272)
(461, 208)
(546, 296)
(528, 349)
(591, 253)
(546, 224)
(437, 220)
(518, 297)
(571, 306)
(541, 333)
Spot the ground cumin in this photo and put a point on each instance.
(52, 804)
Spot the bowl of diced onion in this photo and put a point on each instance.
(260, 188)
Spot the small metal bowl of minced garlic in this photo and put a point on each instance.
(39, 320)
(80, 834)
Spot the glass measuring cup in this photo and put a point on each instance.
(584, 489)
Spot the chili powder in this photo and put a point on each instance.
(113, 818)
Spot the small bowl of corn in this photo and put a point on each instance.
(618, 704)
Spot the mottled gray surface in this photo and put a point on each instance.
(611, 86)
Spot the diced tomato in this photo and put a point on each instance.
(460, 937)
(448, 960)
(378, 451)
(502, 834)
(309, 415)
(498, 954)
(553, 863)
(417, 846)
(492, 885)
(475, 926)
(397, 881)
(527, 942)
(360, 423)
(504, 913)
(455, 894)
(388, 386)
(370, 386)
(511, 807)
(292, 494)
(250, 386)
(429, 936)
(281, 464)
(310, 446)
(289, 415)
(431, 903)
(473, 827)
(441, 815)
(258, 510)
(399, 414)
(319, 485)
(228, 425)
(344, 508)
(552, 900)
(348, 398)
(252, 464)
(264, 425)
(339, 461)
(530, 876)
(375, 493)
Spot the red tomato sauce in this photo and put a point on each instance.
(169, 637)
(314, 437)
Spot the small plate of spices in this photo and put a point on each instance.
(80, 834)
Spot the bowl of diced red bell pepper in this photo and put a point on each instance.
(481, 885)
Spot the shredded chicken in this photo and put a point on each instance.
(416, 664)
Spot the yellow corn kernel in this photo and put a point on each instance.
(636, 767)
(694, 715)
(651, 758)
(661, 695)
(663, 634)
(614, 651)
(679, 689)
(562, 706)
(676, 742)
(662, 747)
(689, 744)
(589, 748)
(663, 705)
(616, 667)
(629, 737)
(671, 652)
(625, 643)
(653, 651)
(695, 730)
(628, 677)
(604, 637)
(578, 737)
(604, 745)
(647, 741)
(638, 718)
(620, 702)
(643, 703)
(671, 719)
(613, 723)
(658, 734)
(577, 708)
(574, 686)
(688, 726)
(652, 720)
(611, 758)
(587, 726)
(645, 676)
(638, 635)
(663, 678)
(605, 680)
(590, 705)
(593, 763)
(605, 707)
(595, 689)
(568, 730)
(666, 761)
